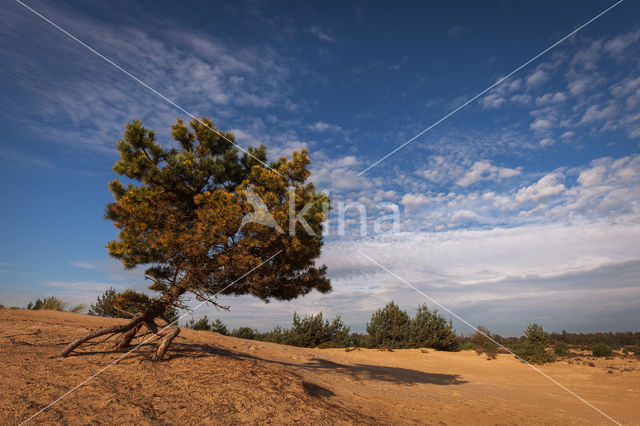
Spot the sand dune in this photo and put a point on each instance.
(209, 378)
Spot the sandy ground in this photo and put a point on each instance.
(209, 378)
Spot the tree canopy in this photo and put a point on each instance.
(183, 218)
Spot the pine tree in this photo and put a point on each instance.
(104, 306)
(180, 216)
(428, 329)
(389, 327)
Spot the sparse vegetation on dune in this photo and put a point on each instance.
(210, 378)
(534, 348)
(601, 349)
(53, 303)
(389, 328)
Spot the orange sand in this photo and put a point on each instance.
(209, 378)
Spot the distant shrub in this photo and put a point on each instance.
(244, 333)
(389, 327)
(483, 342)
(51, 303)
(625, 351)
(430, 330)
(314, 330)
(359, 340)
(561, 349)
(274, 336)
(467, 346)
(78, 308)
(201, 324)
(219, 327)
(533, 349)
(481, 336)
(533, 353)
(601, 349)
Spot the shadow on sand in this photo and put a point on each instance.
(356, 371)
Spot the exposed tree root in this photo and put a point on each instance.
(127, 333)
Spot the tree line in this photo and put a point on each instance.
(393, 328)
(388, 328)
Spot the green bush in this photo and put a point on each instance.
(244, 333)
(467, 346)
(482, 342)
(219, 327)
(314, 330)
(359, 340)
(389, 327)
(561, 349)
(533, 353)
(431, 330)
(601, 349)
(201, 324)
(533, 349)
(275, 336)
(53, 303)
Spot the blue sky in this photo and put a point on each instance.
(521, 207)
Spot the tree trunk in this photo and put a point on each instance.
(124, 340)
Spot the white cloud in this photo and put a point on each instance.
(619, 45)
(492, 101)
(411, 201)
(592, 177)
(321, 126)
(588, 56)
(321, 33)
(523, 99)
(340, 175)
(537, 78)
(628, 90)
(598, 113)
(547, 186)
(578, 84)
(484, 170)
(568, 134)
(464, 215)
(549, 98)
(546, 142)
(540, 124)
